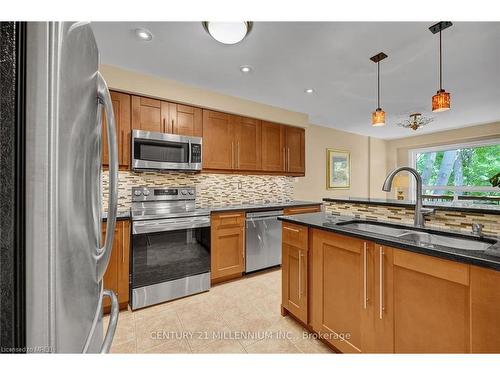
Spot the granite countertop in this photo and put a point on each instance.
(444, 206)
(262, 206)
(321, 220)
(125, 214)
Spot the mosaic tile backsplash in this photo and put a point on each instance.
(211, 189)
(447, 220)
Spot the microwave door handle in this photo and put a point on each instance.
(103, 254)
(189, 152)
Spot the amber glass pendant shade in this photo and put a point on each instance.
(378, 117)
(441, 101)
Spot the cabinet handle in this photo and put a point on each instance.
(123, 256)
(288, 159)
(300, 269)
(164, 126)
(365, 297)
(232, 154)
(122, 149)
(292, 229)
(284, 158)
(172, 126)
(238, 153)
(381, 282)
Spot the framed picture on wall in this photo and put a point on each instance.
(338, 169)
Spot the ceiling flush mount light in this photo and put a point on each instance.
(246, 68)
(416, 121)
(309, 91)
(378, 117)
(228, 32)
(144, 34)
(440, 101)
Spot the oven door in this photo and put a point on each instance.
(161, 151)
(170, 259)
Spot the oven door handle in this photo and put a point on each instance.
(165, 226)
(189, 153)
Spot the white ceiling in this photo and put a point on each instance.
(332, 58)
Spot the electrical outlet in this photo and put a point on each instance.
(240, 185)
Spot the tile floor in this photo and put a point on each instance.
(241, 316)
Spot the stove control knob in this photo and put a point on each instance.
(145, 192)
(137, 193)
(191, 192)
(183, 192)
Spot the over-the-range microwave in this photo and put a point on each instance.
(165, 152)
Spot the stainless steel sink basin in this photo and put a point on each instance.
(426, 238)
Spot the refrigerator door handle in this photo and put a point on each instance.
(113, 321)
(104, 253)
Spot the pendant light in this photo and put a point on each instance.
(378, 117)
(440, 101)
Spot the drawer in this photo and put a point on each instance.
(301, 210)
(295, 235)
(228, 219)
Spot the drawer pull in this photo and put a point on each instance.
(292, 229)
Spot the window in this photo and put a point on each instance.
(460, 172)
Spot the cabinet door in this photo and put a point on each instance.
(294, 270)
(273, 147)
(485, 310)
(121, 110)
(431, 304)
(227, 245)
(149, 114)
(218, 142)
(338, 277)
(112, 272)
(247, 138)
(123, 267)
(184, 120)
(295, 149)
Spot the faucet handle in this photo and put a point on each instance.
(428, 211)
(477, 229)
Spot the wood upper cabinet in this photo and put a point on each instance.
(339, 290)
(273, 147)
(218, 140)
(184, 120)
(247, 140)
(485, 310)
(121, 110)
(431, 304)
(227, 245)
(149, 114)
(295, 149)
(294, 270)
(116, 277)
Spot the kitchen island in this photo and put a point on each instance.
(370, 291)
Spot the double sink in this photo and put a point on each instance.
(421, 236)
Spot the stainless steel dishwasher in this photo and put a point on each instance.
(263, 240)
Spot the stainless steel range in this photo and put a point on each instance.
(170, 245)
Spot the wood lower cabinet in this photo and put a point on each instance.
(294, 270)
(116, 277)
(338, 290)
(227, 245)
(431, 304)
(364, 297)
(301, 210)
(121, 109)
(485, 310)
(273, 147)
(295, 150)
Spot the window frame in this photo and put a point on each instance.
(412, 158)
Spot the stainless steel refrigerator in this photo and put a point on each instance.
(65, 262)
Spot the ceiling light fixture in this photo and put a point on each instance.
(144, 34)
(416, 121)
(309, 91)
(378, 117)
(440, 101)
(228, 32)
(246, 68)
